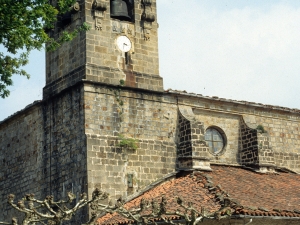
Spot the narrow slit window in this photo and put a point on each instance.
(126, 58)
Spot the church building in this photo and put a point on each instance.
(105, 121)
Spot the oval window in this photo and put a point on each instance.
(215, 140)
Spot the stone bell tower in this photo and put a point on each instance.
(121, 45)
(103, 84)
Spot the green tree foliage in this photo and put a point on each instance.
(22, 29)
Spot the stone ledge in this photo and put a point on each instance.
(22, 111)
(244, 103)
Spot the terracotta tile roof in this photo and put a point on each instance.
(260, 194)
(253, 193)
(170, 190)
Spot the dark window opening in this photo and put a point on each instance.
(127, 58)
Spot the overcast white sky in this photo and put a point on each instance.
(238, 49)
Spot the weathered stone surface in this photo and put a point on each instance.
(69, 141)
(94, 55)
(43, 150)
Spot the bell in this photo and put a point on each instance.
(119, 10)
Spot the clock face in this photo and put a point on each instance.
(123, 43)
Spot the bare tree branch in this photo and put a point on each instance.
(48, 211)
(149, 212)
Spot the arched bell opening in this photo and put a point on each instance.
(122, 10)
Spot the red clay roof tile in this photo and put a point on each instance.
(255, 194)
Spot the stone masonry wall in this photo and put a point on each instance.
(153, 117)
(230, 125)
(70, 142)
(284, 139)
(43, 151)
(64, 160)
(185, 137)
(21, 141)
(66, 65)
(110, 165)
(106, 63)
(63, 66)
(192, 152)
(281, 125)
(266, 153)
(248, 145)
(255, 147)
(94, 55)
(144, 53)
(144, 117)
